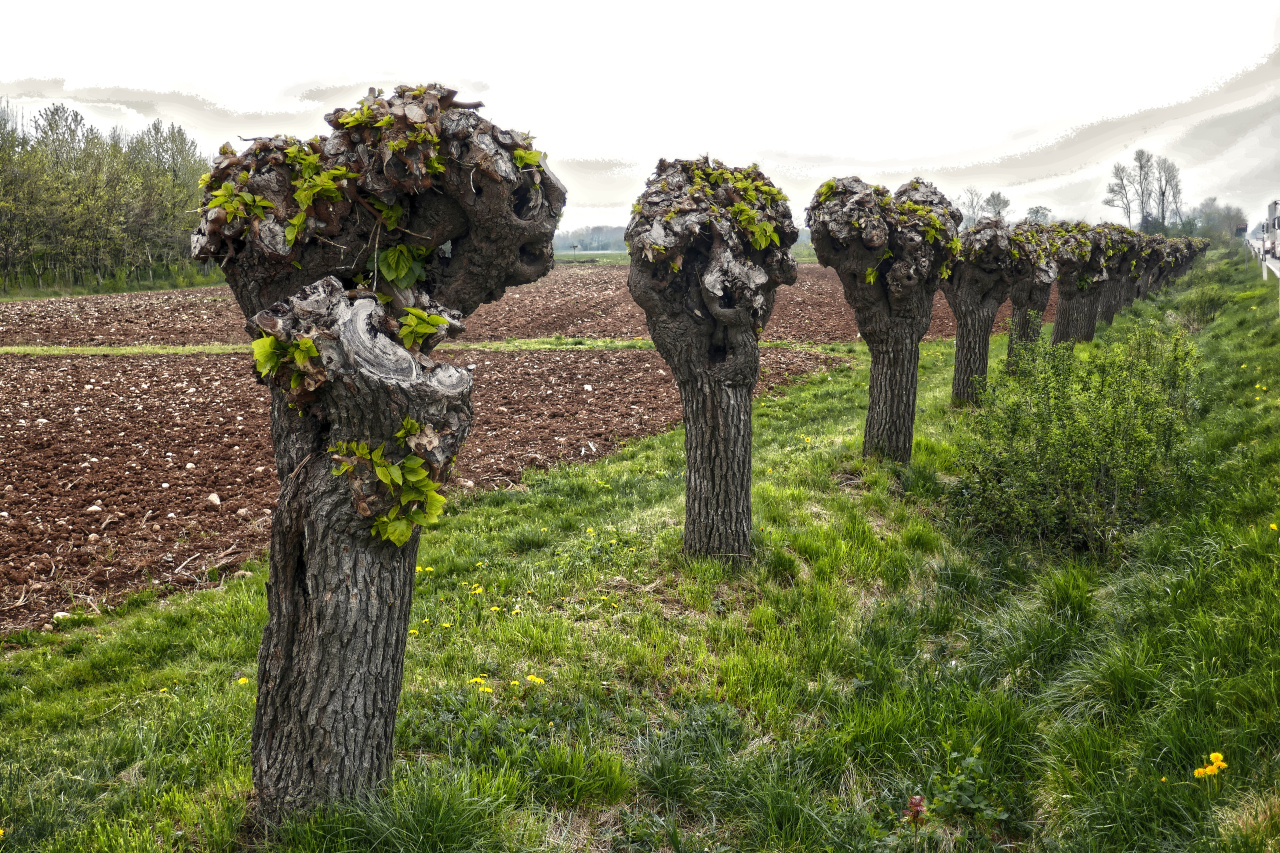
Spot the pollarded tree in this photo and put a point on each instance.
(1079, 253)
(709, 246)
(1034, 271)
(353, 255)
(979, 284)
(1155, 248)
(891, 252)
(1109, 253)
(1124, 267)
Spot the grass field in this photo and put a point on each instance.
(573, 683)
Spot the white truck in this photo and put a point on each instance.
(1272, 233)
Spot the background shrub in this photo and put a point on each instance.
(1076, 451)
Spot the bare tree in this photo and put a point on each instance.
(1122, 191)
(996, 204)
(1167, 174)
(1039, 215)
(352, 256)
(891, 252)
(1144, 178)
(971, 204)
(709, 246)
(1172, 177)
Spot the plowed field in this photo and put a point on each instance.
(109, 465)
(574, 301)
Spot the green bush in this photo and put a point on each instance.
(1076, 452)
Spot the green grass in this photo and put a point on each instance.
(794, 704)
(589, 258)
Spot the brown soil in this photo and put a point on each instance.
(87, 445)
(593, 302)
(199, 315)
(574, 301)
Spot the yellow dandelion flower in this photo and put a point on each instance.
(515, 684)
(446, 625)
(426, 621)
(478, 590)
(486, 689)
(1211, 770)
(544, 530)
(429, 569)
(417, 569)
(1199, 772)
(495, 607)
(476, 681)
(413, 632)
(1273, 527)
(533, 679)
(1163, 779)
(164, 689)
(243, 681)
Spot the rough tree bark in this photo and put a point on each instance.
(1035, 270)
(978, 285)
(891, 252)
(709, 246)
(356, 254)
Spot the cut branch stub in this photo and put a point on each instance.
(474, 205)
(891, 252)
(709, 246)
(363, 381)
(979, 283)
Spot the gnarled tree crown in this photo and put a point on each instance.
(413, 195)
(987, 249)
(885, 248)
(1034, 262)
(728, 229)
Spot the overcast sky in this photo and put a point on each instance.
(607, 89)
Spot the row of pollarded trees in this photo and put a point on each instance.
(354, 254)
(709, 247)
(1098, 271)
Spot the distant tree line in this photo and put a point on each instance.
(79, 207)
(592, 238)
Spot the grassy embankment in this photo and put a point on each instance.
(572, 678)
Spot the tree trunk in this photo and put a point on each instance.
(891, 404)
(1065, 317)
(1027, 301)
(716, 366)
(1111, 300)
(717, 445)
(974, 318)
(1084, 319)
(339, 595)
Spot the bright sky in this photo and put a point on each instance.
(889, 82)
